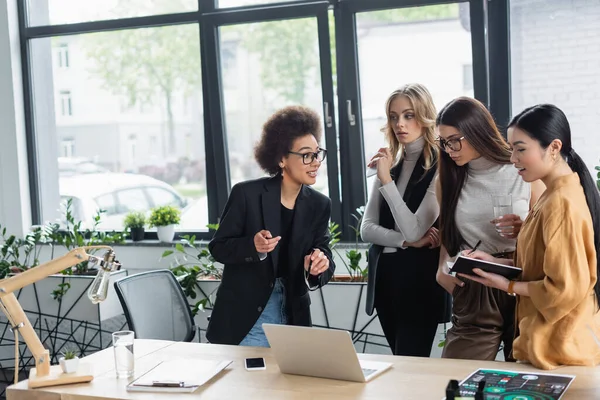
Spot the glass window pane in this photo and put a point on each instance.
(136, 120)
(107, 203)
(132, 200)
(429, 45)
(239, 3)
(555, 58)
(162, 197)
(266, 66)
(52, 12)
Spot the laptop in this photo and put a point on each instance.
(321, 353)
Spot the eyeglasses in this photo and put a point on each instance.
(310, 157)
(451, 144)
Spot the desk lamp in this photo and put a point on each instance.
(43, 374)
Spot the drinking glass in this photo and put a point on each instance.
(123, 345)
(502, 206)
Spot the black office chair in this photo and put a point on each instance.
(156, 307)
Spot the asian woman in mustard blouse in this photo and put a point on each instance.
(558, 246)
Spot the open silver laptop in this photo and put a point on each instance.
(318, 352)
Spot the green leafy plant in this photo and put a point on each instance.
(354, 256)
(192, 262)
(135, 219)
(18, 255)
(164, 215)
(74, 236)
(69, 354)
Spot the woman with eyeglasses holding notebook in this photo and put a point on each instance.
(273, 236)
(475, 166)
(558, 247)
(398, 220)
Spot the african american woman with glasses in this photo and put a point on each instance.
(399, 221)
(273, 235)
(475, 166)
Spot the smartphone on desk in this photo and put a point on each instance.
(255, 364)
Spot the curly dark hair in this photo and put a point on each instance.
(279, 133)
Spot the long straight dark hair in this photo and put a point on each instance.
(545, 123)
(475, 123)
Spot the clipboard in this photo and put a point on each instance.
(465, 265)
(179, 375)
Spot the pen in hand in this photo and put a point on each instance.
(474, 248)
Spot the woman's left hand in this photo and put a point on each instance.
(508, 226)
(488, 279)
(317, 262)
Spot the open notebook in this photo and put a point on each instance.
(180, 375)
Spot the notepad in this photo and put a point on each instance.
(465, 265)
(180, 375)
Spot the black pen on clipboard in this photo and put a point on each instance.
(474, 248)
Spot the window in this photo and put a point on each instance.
(51, 12)
(150, 70)
(283, 80)
(555, 59)
(428, 34)
(65, 103)
(63, 55)
(468, 78)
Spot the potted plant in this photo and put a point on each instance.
(69, 362)
(135, 221)
(165, 218)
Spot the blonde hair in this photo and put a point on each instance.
(425, 113)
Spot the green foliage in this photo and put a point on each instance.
(74, 236)
(352, 257)
(192, 262)
(135, 219)
(69, 354)
(18, 255)
(164, 215)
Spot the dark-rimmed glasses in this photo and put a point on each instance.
(454, 144)
(310, 157)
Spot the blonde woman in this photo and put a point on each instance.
(399, 221)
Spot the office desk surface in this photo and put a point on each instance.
(409, 378)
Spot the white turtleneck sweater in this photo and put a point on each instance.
(474, 209)
(409, 227)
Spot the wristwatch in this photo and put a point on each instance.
(510, 290)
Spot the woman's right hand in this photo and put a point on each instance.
(478, 255)
(373, 161)
(447, 281)
(264, 242)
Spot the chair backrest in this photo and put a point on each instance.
(155, 306)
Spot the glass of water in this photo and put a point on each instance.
(123, 345)
(502, 206)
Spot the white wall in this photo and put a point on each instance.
(14, 179)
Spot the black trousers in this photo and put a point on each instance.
(406, 306)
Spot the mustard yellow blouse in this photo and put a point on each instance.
(557, 254)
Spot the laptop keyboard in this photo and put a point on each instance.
(367, 372)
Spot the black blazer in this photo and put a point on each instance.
(247, 281)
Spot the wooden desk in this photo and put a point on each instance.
(409, 378)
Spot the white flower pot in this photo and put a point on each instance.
(166, 233)
(69, 366)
